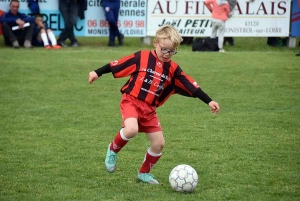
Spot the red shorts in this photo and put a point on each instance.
(132, 107)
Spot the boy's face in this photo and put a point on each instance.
(164, 49)
(38, 20)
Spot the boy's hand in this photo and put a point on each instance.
(92, 77)
(214, 107)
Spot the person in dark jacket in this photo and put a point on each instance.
(17, 27)
(82, 6)
(111, 9)
(69, 12)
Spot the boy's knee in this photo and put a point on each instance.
(158, 146)
(130, 131)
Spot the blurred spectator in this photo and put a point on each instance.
(34, 7)
(42, 35)
(228, 40)
(111, 9)
(276, 41)
(17, 27)
(69, 11)
(187, 40)
(232, 4)
(220, 12)
(1, 13)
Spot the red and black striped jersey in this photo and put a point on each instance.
(152, 80)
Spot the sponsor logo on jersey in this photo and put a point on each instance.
(159, 64)
(113, 63)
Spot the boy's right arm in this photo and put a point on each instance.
(94, 75)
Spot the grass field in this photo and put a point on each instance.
(55, 127)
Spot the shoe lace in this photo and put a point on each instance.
(147, 176)
(112, 158)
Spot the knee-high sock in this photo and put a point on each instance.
(44, 39)
(149, 161)
(52, 38)
(119, 142)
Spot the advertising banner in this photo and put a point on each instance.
(258, 18)
(295, 18)
(132, 17)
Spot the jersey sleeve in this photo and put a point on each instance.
(184, 84)
(124, 66)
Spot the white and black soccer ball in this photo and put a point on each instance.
(183, 178)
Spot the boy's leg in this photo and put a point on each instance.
(129, 130)
(113, 148)
(151, 157)
(44, 38)
(52, 39)
(120, 140)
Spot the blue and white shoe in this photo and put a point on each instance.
(110, 160)
(147, 178)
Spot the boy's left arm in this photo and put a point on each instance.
(214, 106)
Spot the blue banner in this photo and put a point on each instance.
(295, 18)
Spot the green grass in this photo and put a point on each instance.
(55, 127)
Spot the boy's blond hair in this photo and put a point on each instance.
(168, 32)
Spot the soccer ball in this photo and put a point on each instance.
(183, 178)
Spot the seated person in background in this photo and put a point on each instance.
(229, 40)
(187, 40)
(23, 34)
(42, 35)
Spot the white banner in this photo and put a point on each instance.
(132, 17)
(260, 18)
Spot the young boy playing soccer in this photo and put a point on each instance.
(154, 77)
(42, 34)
